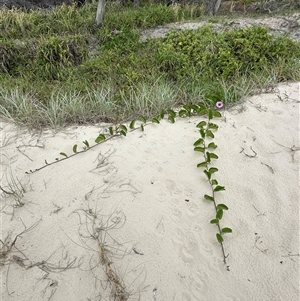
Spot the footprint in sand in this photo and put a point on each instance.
(179, 237)
(192, 209)
(172, 187)
(161, 226)
(189, 251)
(182, 296)
(187, 246)
(199, 284)
(177, 213)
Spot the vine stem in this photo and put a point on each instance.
(215, 204)
(82, 151)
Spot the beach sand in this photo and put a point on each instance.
(132, 209)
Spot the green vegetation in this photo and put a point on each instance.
(57, 69)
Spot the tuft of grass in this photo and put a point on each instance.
(72, 107)
(19, 107)
(13, 188)
(149, 100)
(62, 108)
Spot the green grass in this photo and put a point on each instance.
(56, 69)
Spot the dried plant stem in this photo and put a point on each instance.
(118, 288)
(5, 191)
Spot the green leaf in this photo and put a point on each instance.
(219, 238)
(201, 124)
(194, 107)
(219, 188)
(172, 113)
(123, 128)
(122, 132)
(202, 164)
(207, 174)
(208, 157)
(214, 182)
(171, 119)
(201, 112)
(212, 155)
(64, 154)
(132, 123)
(111, 131)
(162, 114)
(188, 110)
(199, 149)
(214, 221)
(199, 142)
(208, 197)
(226, 230)
(86, 143)
(182, 113)
(212, 145)
(46, 162)
(142, 127)
(210, 134)
(155, 120)
(213, 126)
(210, 114)
(202, 133)
(100, 138)
(143, 119)
(187, 107)
(212, 170)
(217, 114)
(222, 206)
(219, 214)
(75, 148)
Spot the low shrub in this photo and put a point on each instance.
(206, 54)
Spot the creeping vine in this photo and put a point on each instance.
(201, 145)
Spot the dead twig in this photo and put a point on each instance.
(270, 168)
(249, 156)
(7, 245)
(293, 149)
(5, 191)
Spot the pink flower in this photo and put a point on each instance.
(219, 104)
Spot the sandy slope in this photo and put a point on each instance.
(143, 196)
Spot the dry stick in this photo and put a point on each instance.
(18, 148)
(5, 191)
(249, 156)
(119, 288)
(6, 251)
(12, 244)
(293, 149)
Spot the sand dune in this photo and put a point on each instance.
(142, 197)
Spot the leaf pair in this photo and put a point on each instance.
(209, 172)
(220, 237)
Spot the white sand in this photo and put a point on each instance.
(137, 186)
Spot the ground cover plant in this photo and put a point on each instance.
(57, 69)
(207, 148)
(201, 145)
